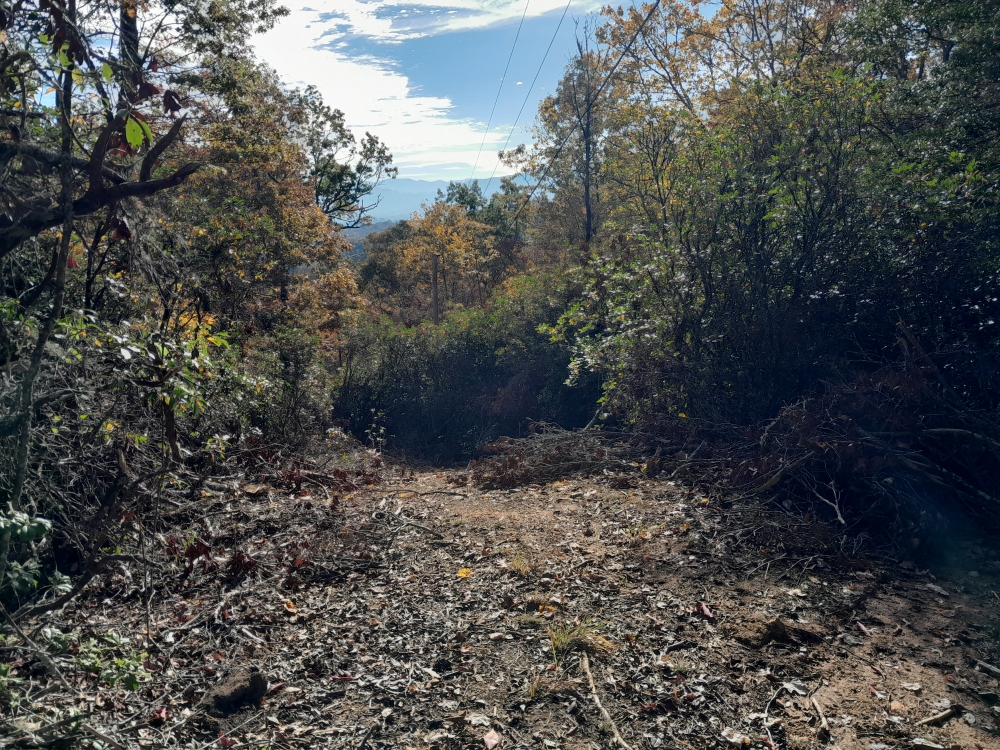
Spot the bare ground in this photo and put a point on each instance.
(424, 612)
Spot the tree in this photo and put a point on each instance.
(571, 128)
(345, 172)
(133, 263)
(772, 170)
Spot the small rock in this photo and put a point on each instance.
(235, 691)
(897, 708)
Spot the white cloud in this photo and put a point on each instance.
(395, 20)
(419, 130)
(311, 46)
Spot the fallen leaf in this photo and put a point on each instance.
(290, 605)
(796, 687)
(705, 611)
(492, 739)
(913, 687)
(464, 572)
(734, 738)
(225, 741)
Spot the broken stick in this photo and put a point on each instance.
(943, 716)
(988, 668)
(585, 663)
(824, 726)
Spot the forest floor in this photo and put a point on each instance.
(583, 613)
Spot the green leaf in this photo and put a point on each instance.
(147, 131)
(133, 132)
(107, 72)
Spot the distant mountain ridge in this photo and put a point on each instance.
(400, 198)
(357, 236)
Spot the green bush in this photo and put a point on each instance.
(443, 392)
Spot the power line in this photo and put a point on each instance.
(565, 140)
(528, 93)
(502, 79)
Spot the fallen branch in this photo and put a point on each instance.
(585, 663)
(989, 668)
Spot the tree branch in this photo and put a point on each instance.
(39, 220)
(10, 149)
(154, 153)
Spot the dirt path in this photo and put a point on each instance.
(428, 613)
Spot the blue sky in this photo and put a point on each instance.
(424, 76)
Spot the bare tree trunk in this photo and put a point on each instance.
(587, 159)
(128, 45)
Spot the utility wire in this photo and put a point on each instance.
(528, 93)
(502, 79)
(597, 95)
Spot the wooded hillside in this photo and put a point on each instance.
(755, 244)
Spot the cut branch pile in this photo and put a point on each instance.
(552, 453)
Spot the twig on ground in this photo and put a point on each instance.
(368, 734)
(824, 726)
(937, 718)
(767, 708)
(585, 663)
(41, 653)
(988, 667)
(103, 737)
(431, 492)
